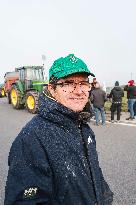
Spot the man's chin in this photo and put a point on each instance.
(76, 106)
(77, 109)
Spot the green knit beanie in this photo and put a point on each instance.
(68, 65)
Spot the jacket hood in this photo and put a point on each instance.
(50, 109)
(131, 82)
(117, 83)
(117, 88)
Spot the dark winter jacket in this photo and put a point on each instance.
(131, 91)
(53, 161)
(116, 94)
(98, 97)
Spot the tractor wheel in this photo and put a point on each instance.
(9, 98)
(15, 98)
(3, 93)
(32, 102)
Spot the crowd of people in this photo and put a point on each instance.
(98, 97)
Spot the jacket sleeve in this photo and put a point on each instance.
(110, 95)
(105, 97)
(29, 178)
(122, 93)
(107, 194)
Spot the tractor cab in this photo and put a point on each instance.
(32, 77)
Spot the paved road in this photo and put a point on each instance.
(116, 145)
(11, 122)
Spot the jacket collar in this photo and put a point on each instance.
(50, 109)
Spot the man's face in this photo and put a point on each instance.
(72, 91)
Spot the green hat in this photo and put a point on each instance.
(63, 67)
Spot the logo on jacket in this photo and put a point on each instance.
(89, 140)
(30, 192)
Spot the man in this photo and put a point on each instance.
(98, 98)
(93, 84)
(53, 161)
(131, 95)
(116, 94)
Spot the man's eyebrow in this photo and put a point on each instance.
(72, 81)
(69, 81)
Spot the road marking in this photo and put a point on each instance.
(120, 123)
(123, 123)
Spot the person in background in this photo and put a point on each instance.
(131, 95)
(98, 98)
(134, 107)
(53, 160)
(93, 84)
(116, 95)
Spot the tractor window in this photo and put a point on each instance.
(35, 74)
(22, 74)
(39, 73)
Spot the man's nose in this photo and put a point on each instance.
(78, 88)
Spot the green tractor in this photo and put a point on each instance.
(25, 91)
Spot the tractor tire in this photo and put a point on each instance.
(3, 93)
(15, 98)
(32, 102)
(9, 98)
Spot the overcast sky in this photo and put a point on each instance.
(101, 32)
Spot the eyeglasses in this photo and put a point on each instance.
(71, 86)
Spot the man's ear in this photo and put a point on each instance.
(51, 90)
